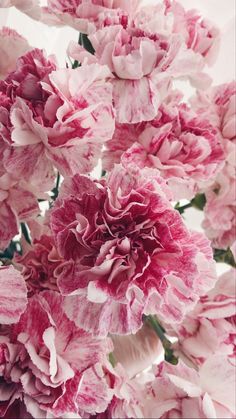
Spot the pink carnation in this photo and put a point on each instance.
(129, 395)
(17, 204)
(210, 328)
(132, 252)
(13, 295)
(89, 15)
(59, 118)
(143, 61)
(200, 34)
(182, 145)
(220, 208)
(218, 104)
(39, 264)
(182, 392)
(12, 46)
(50, 365)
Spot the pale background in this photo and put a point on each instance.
(55, 40)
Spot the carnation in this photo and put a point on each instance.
(218, 105)
(51, 366)
(17, 203)
(57, 118)
(132, 252)
(220, 209)
(12, 46)
(200, 34)
(88, 16)
(180, 391)
(144, 60)
(210, 328)
(181, 144)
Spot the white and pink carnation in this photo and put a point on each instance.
(39, 264)
(182, 392)
(199, 34)
(218, 104)
(131, 250)
(129, 395)
(17, 204)
(87, 16)
(143, 60)
(51, 366)
(182, 145)
(220, 209)
(210, 328)
(55, 118)
(12, 46)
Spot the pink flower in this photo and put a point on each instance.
(59, 118)
(17, 203)
(39, 264)
(210, 328)
(13, 295)
(218, 104)
(132, 252)
(182, 145)
(220, 208)
(129, 395)
(12, 46)
(89, 15)
(143, 60)
(181, 392)
(201, 35)
(54, 362)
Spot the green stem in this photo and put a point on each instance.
(85, 42)
(167, 345)
(112, 359)
(25, 232)
(55, 190)
(224, 256)
(183, 208)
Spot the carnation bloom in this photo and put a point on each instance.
(182, 392)
(143, 59)
(59, 118)
(129, 395)
(220, 208)
(13, 295)
(89, 15)
(218, 104)
(178, 142)
(39, 264)
(132, 253)
(12, 46)
(210, 328)
(52, 366)
(200, 34)
(17, 203)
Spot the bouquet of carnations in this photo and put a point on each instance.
(110, 305)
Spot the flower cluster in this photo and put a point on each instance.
(110, 306)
